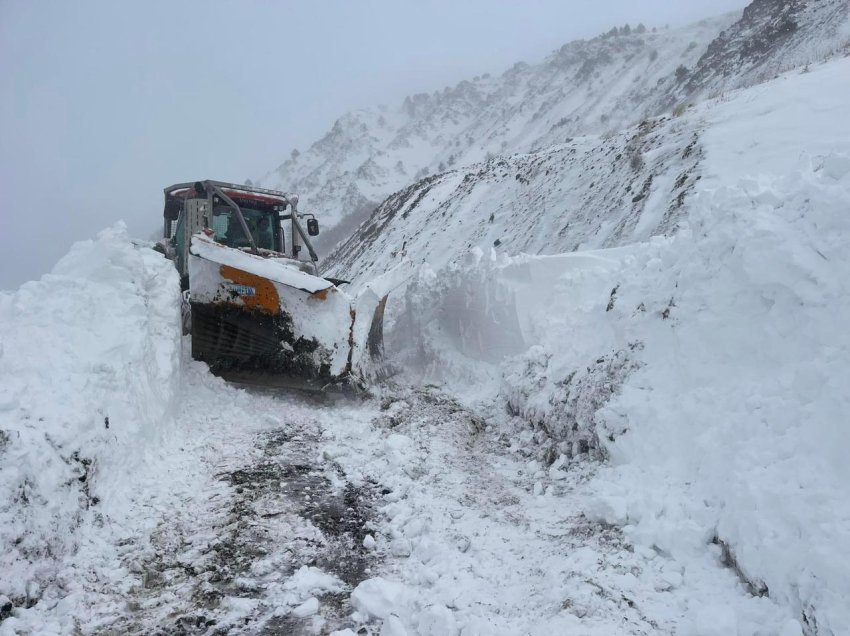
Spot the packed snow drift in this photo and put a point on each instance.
(89, 360)
(708, 367)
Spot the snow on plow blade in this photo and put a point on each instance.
(255, 316)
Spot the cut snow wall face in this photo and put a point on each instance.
(735, 423)
(461, 324)
(89, 359)
(538, 331)
(455, 321)
(572, 307)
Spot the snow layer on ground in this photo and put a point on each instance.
(88, 368)
(474, 545)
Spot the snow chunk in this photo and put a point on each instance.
(398, 442)
(380, 597)
(307, 608)
(836, 166)
(437, 620)
(393, 627)
(312, 580)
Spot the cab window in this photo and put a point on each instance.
(228, 230)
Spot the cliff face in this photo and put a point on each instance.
(771, 36)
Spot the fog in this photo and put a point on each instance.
(105, 103)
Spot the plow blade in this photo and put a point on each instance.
(264, 321)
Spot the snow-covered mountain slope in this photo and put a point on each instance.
(88, 359)
(586, 87)
(592, 192)
(707, 369)
(771, 37)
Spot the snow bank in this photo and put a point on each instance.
(709, 368)
(732, 430)
(737, 420)
(88, 366)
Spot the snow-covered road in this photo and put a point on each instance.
(147, 496)
(406, 513)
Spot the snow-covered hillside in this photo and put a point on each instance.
(591, 192)
(707, 369)
(586, 87)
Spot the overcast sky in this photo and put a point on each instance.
(105, 103)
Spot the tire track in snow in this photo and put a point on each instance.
(268, 533)
(259, 532)
(472, 546)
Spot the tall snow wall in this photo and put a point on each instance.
(89, 359)
(708, 369)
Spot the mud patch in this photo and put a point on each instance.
(270, 494)
(227, 574)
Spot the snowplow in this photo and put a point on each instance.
(255, 304)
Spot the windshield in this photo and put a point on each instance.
(228, 230)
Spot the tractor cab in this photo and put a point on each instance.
(241, 217)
